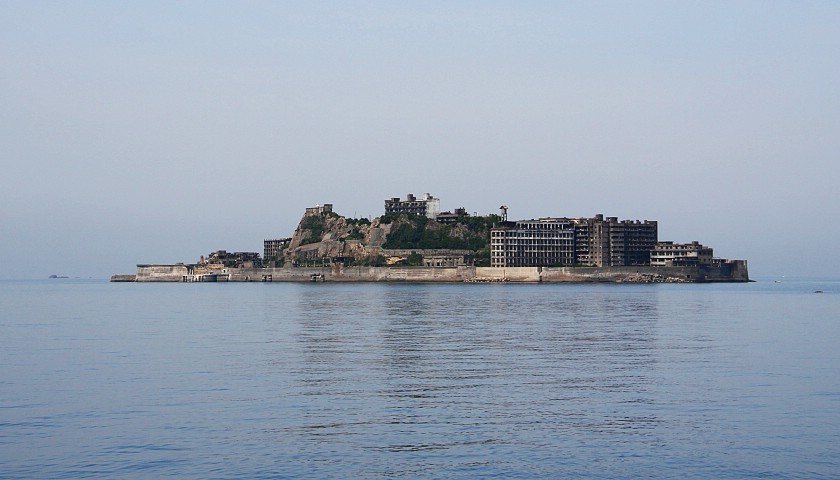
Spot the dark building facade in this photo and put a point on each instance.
(234, 259)
(273, 247)
(428, 206)
(452, 217)
(596, 241)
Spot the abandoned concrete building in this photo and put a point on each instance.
(670, 254)
(234, 259)
(319, 210)
(429, 206)
(596, 241)
(444, 260)
(273, 247)
(452, 217)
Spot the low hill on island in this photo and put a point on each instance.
(323, 236)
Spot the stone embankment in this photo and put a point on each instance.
(732, 271)
(123, 278)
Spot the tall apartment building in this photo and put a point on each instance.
(629, 241)
(596, 241)
(273, 247)
(429, 206)
(542, 242)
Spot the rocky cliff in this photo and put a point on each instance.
(328, 235)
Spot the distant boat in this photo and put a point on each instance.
(57, 276)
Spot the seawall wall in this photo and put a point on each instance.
(731, 271)
(161, 273)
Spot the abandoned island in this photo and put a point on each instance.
(414, 241)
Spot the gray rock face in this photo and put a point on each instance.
(320, 235)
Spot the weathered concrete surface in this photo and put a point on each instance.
(123, 278)
(403, 274)
(161, 273)
(732, 271)
(339, 273)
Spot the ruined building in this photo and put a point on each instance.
(670, 254)
(233, 259)
(597, 241)
(429, 206)
(273, 248)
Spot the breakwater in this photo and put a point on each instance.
(730, 271)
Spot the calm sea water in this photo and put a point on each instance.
(422, 381)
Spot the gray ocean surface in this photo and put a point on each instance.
(104, 380)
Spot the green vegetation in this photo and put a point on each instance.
(482, 257)
(357, 221)
(480, 223)
(315, 225)
(415, 259)
(371, 261)
(407, 232)
(276, 262)
(354, 234)
(470, 233)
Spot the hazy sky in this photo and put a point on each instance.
(155, 132)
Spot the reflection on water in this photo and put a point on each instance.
(422, 368)
(324, 380)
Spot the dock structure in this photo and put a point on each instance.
(206, 277)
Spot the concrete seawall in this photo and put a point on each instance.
(730, 271)
(161, 273)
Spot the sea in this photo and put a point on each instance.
(390, 380)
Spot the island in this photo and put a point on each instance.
(414, 241)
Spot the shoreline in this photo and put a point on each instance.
(734, 271)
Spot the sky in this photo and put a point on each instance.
(157, 131)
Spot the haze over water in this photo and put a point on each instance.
(159, 131)
(427, 380)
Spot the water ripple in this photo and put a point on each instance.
(419, 381)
